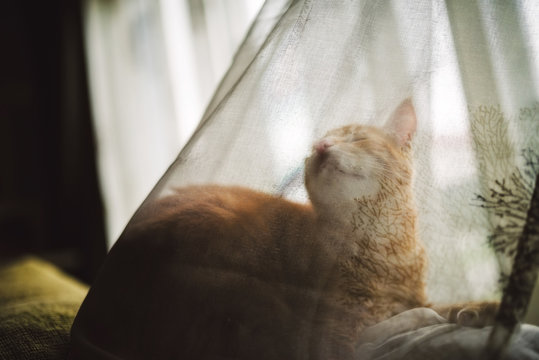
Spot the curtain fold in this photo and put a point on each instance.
(153, 66)
(471, 69)
(308, 66)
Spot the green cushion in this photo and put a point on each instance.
(37, 306)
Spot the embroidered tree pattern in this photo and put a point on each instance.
(528, 119)
(522, 279)
(506, 188)
(493, 147)
(509, 199)
(519, 287)
(512, 200)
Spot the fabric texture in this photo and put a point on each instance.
(471, 69)
(422, 334)
(171, 55)
(37, 306)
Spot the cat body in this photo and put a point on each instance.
(271, 276)
(215, 272)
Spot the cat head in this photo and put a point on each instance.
(354, 161)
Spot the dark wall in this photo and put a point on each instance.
(49, 198)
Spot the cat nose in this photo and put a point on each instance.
(323, 145)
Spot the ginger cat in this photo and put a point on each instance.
(226, 272)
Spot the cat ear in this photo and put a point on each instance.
(402, 123)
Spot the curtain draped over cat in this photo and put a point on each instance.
(153, 66)
(471, 69)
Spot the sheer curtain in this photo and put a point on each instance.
(153, 66)
(472, 70)
(307, 66)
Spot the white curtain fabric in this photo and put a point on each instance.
(153, 66)
(472, 69)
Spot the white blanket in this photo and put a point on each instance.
(423, 334)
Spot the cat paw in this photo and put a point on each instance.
(477, 315)
(468, 317)
(473, 314)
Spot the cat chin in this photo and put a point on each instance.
(341, 191)
(332, 170)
